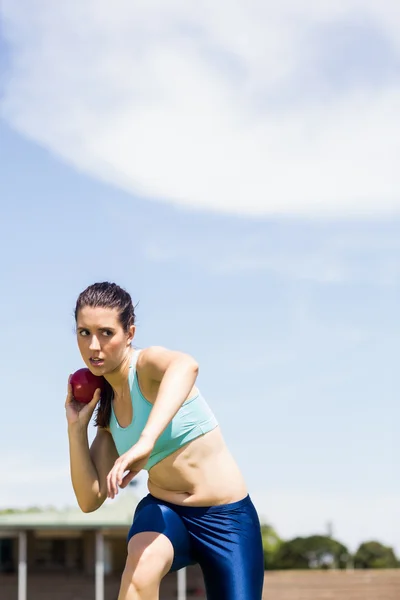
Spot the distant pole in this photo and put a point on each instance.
(182, 584)
(329, 529)
(99, 576)
(22, 567)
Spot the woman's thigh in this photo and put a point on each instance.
(150, 555)
(228, 547)
(156, 517)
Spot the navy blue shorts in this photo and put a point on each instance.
(224, 540)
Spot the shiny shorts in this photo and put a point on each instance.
(224, 540)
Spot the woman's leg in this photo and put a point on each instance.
(228, 546)
(157, 543)
(235, 572)
(150, 556)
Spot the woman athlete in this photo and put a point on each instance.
(152, 416)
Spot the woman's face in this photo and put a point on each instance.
(102, 341)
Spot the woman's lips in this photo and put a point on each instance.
(96, 362)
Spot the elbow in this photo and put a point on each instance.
(193, 366)
(89, 507)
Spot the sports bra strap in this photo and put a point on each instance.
(132, 368)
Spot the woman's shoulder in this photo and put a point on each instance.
(155, 360)
(159, 355)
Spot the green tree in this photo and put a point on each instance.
(374, 555)
(21, 511)
(313, 552)
(271, 544)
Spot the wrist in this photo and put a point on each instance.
(77, 430)
(149, 437)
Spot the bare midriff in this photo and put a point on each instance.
(202, 473)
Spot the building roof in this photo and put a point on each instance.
(112, 514)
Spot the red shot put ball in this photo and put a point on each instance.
(84, 384)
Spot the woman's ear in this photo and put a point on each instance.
(131, 334)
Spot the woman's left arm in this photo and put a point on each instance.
(176, 373)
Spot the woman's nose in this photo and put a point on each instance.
(94, 343)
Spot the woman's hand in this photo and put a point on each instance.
(78, 413)
(132, 461)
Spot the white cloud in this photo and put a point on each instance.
(189, 102)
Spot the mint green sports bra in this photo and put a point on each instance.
(192, 420)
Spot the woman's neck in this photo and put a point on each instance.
(120, 376)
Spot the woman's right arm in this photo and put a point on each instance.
(89, 466)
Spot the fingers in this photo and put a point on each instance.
(90, 406)
(70, 396)
(133, 461)
(86, 410)
(111, 483)
(96, 398)
(128, 478)
(116, 477)
(113, 480)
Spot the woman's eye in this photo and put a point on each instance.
(107, 332)
(83, 332)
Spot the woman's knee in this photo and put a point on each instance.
(150, 557)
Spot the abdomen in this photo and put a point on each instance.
(202, 473)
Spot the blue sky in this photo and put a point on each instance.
(288, 299)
